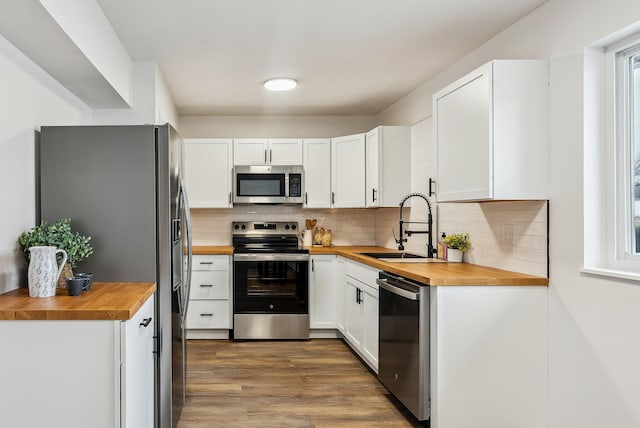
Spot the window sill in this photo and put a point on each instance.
(612, 273)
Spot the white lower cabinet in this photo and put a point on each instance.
(79, 373)
(361, 311)
(210, 303)
(322, 292)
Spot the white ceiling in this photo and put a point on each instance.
(351, 57)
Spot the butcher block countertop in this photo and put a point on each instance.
(105, 301)
(210, 250)
(435, 273)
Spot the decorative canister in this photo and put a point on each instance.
(44, 271)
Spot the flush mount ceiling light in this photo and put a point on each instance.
(280, 84)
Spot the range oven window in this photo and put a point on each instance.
(271, 287)
(260, 184)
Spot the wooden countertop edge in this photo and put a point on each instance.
(85, 314)
(211, 250)
(485, 275)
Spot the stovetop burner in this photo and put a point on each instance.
(266, 237)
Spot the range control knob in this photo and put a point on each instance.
(236, 226)
(244, 226)
(286, 227)
(294, 227)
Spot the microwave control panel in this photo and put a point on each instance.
(295, 185)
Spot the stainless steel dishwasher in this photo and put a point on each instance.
(403, 359)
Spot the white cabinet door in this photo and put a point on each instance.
(464, 150)
(388, 165)
(137, 370)
(491, 133)
(317, 170)
(322, 292)
(208, 164)
(348, 171)
(354, 313)
(250, 151)
(341, 295)
(286, 151)
(372, 193)
(370, 334)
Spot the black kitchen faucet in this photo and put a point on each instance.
(429, 224)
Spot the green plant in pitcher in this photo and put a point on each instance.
(60, 235)
(458, 241)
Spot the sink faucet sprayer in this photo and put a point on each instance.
(429, 224)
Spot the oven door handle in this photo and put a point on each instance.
(398, 291)
(277, 257)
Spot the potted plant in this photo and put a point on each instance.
(61, 236)
(457, 244)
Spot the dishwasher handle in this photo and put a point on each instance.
(397, 290)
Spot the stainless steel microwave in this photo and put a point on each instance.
(268, 184)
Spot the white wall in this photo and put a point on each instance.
(273, 126)
(594, 323)
(29, 98)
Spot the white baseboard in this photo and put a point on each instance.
(324, 334)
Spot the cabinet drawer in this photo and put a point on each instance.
(208, 314)
(209, 284)
(362, 273)
(217, 262)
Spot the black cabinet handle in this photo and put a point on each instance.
(145, 322)
(265, 156)
(270, 155)
(206, 263)
(333, 197)
(312, 266)
(358, 296)
(306, 198)
(373, 196)
(229, 198)
(431, 183)
(206, 285)
(206, 315)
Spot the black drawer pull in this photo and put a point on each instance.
(145, 322)
(206, 285)
(206, 263)
(206, 315)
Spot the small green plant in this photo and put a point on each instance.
(58, 235)
(458, 241)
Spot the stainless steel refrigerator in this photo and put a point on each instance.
(122, 186)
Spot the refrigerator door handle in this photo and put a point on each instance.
(186, 287)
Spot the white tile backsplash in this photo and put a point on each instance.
(507, 235)
(349, 226)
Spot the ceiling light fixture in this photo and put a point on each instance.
(280, 84)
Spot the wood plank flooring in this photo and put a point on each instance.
(315, 383)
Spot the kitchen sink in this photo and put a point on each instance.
(393, 255)
(401, 258)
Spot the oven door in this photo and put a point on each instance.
(271, 283)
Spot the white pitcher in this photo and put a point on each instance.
(44, 271)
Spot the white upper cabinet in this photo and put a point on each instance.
(286, 151)
(251, 151)
(491, 129)
(388, 165)
(317, 170)
(348, 171)
(208, 165)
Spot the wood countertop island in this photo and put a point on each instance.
(435, 273)
(105, 301)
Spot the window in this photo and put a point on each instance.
(611, 156)
(627, 143)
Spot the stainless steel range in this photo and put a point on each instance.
(270, 281)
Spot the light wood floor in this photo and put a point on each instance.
(315, 383)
